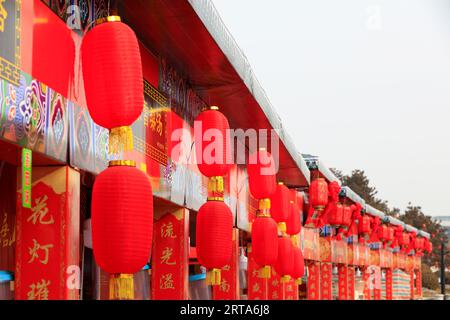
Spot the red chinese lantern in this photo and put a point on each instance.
(213, 158)
(419, 243)
(299, 265)
(375, 226)
(261, 175)
(404, 240)
(113, 80)
(364, 226)
(300, 202)
(265, 244)
(383, 232)
(318, 194)
(391, 231)
(336, 215)
(214, 238)
(356, 216)
(285, 262)
(280, 206)
(293, 223)
(122, 224)
(347, 215)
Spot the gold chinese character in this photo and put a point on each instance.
(255, 287)
(166, 255)
(167, 231)
(224, 286)
(255, 273)
(3, 16)
(156, 123)
(275, 295)
(39, 290)
(4, 230)
(275, 282)
(226, 268)
(39, 211)
(34, 252)
(166, 282)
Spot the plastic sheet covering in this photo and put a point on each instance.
(411, 229)
(424, 234)
(209, 16)
(314, 163)
(349, 193)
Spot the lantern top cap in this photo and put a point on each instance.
(262, 149)
(107, 19)
(280, 183)
(215, 108)
(122, 163)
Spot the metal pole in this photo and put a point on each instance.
(442, 269)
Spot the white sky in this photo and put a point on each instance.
(364, 84)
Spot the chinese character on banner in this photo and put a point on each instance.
(313, 286)
(389, 284)
(367, 279)
(291, 290)
(47, 246)
(229, 287)
(326, 281)
(257, 287)
(275, 286)
(170, 256)
(342, 282)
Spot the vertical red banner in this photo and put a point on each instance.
(411, 284)
(351, 282)
(257, 287)
(170, 256)
(275, 287)
(389, 284)
(326, 283)
(290, 290)
(229, 286)
(367, 283)
(419, 283)
(7, 216)
(47, 249)
(313, 286)
(342, 282)
(376, 281)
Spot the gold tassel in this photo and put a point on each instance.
(285, 279)
(298, 281)
(282, 227)
(265, 272)
(121, 287)
(264, 204)
(294, 240)
(120, 139)
(213, 277)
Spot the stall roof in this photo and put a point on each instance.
(424, 234)
(349, 193)
(192, 36)
(375, 212)
(314, 163)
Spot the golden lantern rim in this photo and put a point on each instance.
(122, 163)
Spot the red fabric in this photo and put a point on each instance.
(122, 219)
(279, 204)
(261, 175)
(356, 216)
(112, 73)
(285, 262)
(375, 226)
(364, 225)
(293, 223)
(333, 211)
(211, 147)
(264, 241)
(214, 237)
(347, 215)
(299, 264)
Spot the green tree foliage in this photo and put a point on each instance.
(429, 279)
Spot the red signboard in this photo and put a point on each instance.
(367, 283)
(313, 287)
(339, 252)
(326, 281)
(290, 290)
(229, 286)
(257, 287)
(342, 282)
(325, 249)
(170, 256)
(411, 284)
(419, 283)
(7, 216)
(389, 284)
(351, 283)
(275, 287)
(47, 249)
(310, 244)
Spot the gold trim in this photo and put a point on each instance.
(215, 108)
(122, 163)
(216, 199)
(108, 19)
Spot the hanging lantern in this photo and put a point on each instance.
(404, 240)
(299, 266)
(347, 215)
(285, 262)
(391, 231)
(419, 243)
(280, 206)
(356, 216)
(300, 202)
(383, 232)
(122, 224)
(261, 175)
(318, 194)
(213, 158)
(293, 223)
(336, 216)
(374, 233)
(113, 80)
(364, 226)
(214, 238)
(265, 244)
